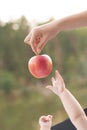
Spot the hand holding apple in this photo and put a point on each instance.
(40, 66)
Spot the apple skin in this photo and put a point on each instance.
(40, 66)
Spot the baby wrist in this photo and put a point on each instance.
(62, 92)
(45, 128)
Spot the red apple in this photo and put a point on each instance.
(40, 66)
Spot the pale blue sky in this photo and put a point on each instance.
(40, 10)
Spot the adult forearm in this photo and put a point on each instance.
(67, 23)
(73, 21)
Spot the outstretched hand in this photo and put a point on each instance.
(58, 84)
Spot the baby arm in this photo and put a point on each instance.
(45, 122)
(71, 105)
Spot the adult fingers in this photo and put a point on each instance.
(27, 38)
(35, 40)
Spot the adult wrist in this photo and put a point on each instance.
(54, 28)
(57, 26)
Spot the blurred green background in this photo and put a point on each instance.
(23, 98)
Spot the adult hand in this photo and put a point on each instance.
(39, 36)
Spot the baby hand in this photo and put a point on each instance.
(45, 121)
(58, 84)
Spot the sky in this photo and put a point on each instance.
(39, 10)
